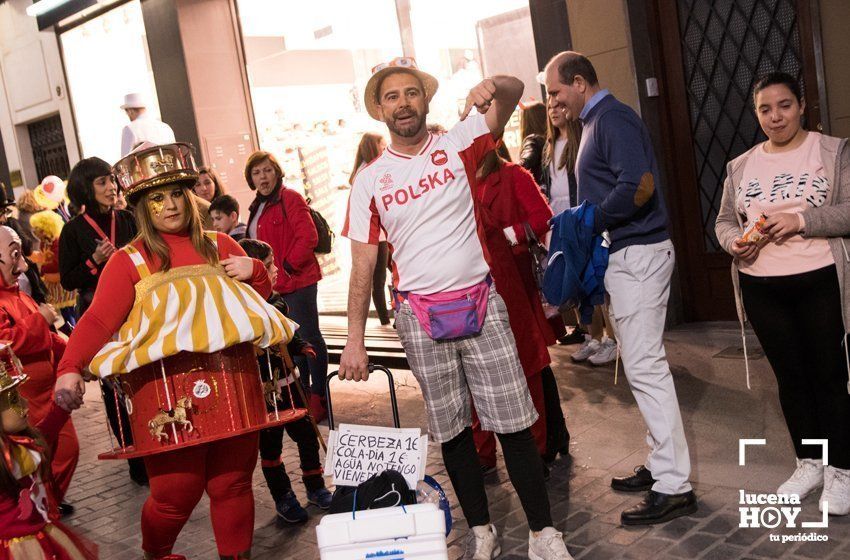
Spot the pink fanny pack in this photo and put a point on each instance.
(449, 315)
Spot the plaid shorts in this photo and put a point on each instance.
(485, 365)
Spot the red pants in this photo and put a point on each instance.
(485, 442)
(178, 479)
(38, 391)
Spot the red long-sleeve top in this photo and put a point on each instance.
(22, 325)
(116, 293)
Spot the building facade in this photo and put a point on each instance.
(232, 76)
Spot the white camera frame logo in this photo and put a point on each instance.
(771, 517)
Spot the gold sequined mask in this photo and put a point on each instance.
(156, 204)
(156, 199)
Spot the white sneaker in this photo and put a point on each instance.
(588, 348)
(606, 353)
(805, 480)
(547, 545)
(482, 543)
(836, 491)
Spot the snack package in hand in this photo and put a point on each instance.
(754, 233)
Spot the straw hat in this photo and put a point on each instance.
(381, 71)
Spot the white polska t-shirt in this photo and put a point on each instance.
(423, 203)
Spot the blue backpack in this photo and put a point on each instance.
(575, 273)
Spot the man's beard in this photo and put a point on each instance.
(409, 130)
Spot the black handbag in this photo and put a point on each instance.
(539, 254)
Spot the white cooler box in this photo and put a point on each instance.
(384, 534)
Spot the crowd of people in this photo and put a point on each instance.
(128, 274)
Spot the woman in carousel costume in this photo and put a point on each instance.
(175, 318)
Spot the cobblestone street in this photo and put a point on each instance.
(607, 439)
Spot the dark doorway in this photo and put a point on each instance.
(712, 52)
(48, 148)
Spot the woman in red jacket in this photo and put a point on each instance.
(280, 217)
(507, 198)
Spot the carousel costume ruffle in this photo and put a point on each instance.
(193, 308)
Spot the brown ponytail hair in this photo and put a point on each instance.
(367, 151)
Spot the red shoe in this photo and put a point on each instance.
(166, 557)
(318, 408)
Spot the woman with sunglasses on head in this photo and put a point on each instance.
(785, 219)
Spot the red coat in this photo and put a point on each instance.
(287, 226)
(508, 198)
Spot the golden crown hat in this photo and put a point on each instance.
(11, 371)
(150, 166)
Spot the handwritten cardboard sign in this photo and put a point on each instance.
(355, 453)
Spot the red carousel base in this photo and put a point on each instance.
(284, 416)
(193, 398)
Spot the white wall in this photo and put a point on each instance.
(32, 87)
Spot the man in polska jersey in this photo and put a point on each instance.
(450, 319)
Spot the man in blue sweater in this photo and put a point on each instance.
(617, 171)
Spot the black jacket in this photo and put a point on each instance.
(78, 242)
(531, 156)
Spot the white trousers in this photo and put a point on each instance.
(638, 284)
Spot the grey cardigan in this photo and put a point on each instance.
(832, 220)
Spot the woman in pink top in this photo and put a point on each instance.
(793, 191)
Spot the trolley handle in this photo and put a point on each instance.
(372, 368)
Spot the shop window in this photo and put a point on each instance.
(307, 69)
(105, 59)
